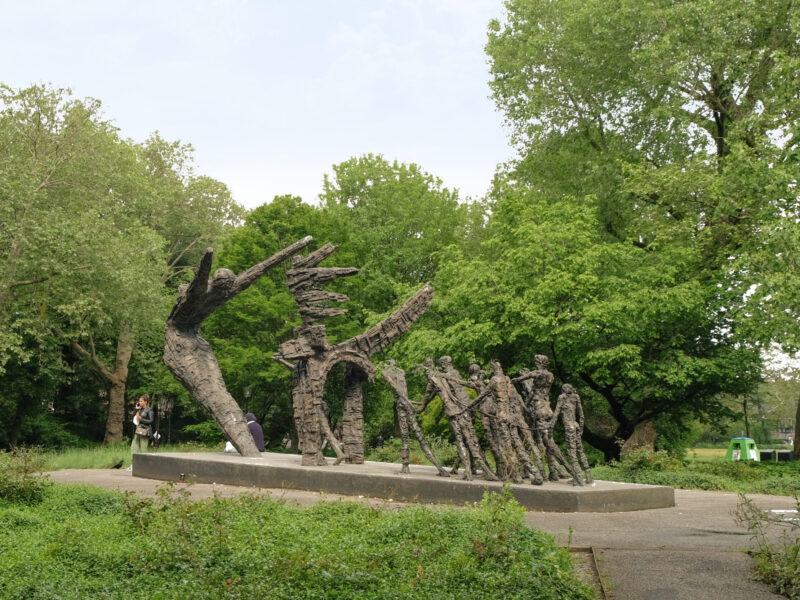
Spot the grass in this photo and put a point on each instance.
(707, 453)
(106, 457)
(84, 542)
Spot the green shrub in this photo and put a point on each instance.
(84, 544)
(644, 459)
(207, 432)
(776, 565)
(21, 477)
(445, 452)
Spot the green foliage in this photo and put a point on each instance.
(101, 543)
(444, 451)
(21, 477)
(656, 154)
(661, 468)
(207, 432)
(777, 565)
(644, 459)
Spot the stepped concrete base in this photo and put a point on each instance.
(383, 480)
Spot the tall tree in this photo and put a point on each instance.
(678, 119)
(69, 253)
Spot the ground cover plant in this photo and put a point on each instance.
(20, 479)
(84, 542)
(776, 564)
(660, 468)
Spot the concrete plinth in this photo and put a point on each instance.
(383, 480)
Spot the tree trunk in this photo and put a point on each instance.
(190, 358)
(117, 379)
(610, 446)
(15, 429)
(746, 417)
(119, 382)
(795, 441)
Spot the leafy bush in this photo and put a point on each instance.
(644, 459)
(445, 452)
(87, 544)
(659, 468)
(207, 432)
(21, 477)
(777, 566)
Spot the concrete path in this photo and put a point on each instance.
(693, 551)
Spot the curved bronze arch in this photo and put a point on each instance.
(315, 357)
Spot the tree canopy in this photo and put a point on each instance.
(644, 236)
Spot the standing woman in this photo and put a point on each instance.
(142, 418)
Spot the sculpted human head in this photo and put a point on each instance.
(445, 361)
(541, 361)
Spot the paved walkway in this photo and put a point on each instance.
(693, 551)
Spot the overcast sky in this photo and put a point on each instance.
(272, 93)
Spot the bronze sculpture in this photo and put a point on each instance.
(456, 408)
(569, 408)
(536, 385)
(315, 357)
(407, 417)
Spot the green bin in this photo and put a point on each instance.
(742, 448)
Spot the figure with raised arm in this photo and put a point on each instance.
(512, 447)
(458, 416)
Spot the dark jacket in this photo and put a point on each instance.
(255, 430)
(146, 418)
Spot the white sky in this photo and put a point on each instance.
(272, 93)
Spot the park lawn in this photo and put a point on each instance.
(108, 456)
(705, 472)
(706, 453)
(85, 542)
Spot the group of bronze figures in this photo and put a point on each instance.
(519, 431)
(518, 427)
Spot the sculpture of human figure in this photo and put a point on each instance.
(536, 386)
(517, 411)
(458, 387)
(569, 408)
(407, 416)
(487, 413)
(512, 448)
(458, 417)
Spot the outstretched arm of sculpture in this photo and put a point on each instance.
(430, 394)
(191, 359)
(282, 361)
(556, 413)
(378, 337)
(525, 377)
(469, 384)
